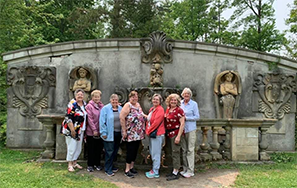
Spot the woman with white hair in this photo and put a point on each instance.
(73, 128)
(191, 111)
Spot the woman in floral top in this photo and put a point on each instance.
(133, 130)
(174, 123)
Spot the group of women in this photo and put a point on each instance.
(107, 126)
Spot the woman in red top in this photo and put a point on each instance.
(155, 122)
(175, 123)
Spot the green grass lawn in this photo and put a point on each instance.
(281, 174)
(20, 169)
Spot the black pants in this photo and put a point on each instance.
(95, 147)
(132, 149)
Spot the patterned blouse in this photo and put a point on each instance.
(135, 124)
(172, 123)
(76, 115)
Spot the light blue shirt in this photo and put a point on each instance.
(107, 122)
(192, 115)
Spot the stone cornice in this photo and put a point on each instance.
(67, 48)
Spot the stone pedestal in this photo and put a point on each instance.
(245, 138)
(49, 142)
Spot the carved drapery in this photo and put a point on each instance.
(275, 90)
(156, 51)
(227, 91)
(30, 86)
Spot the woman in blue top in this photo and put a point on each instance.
(188, 141)
(110, 131)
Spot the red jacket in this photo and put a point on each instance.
(156, 119)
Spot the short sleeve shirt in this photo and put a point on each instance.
(172, 121)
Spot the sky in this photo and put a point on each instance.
(282, 12)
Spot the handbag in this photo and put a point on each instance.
(154, 133)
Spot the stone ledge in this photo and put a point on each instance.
(196, 47)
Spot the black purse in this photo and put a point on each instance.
(154, 133)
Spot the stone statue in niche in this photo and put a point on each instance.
(227, 90)
(30, 86)
(82, 78)
(156, 51)
(275, 90)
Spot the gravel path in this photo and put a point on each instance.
(209, 179)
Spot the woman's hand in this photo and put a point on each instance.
(73, 134)
(104, 137)
(177, 140)
(124, 134)
(96, 133)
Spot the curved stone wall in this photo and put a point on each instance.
(117, 63)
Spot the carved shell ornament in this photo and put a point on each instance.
(30, 86)
(157, 49)
(275, 91)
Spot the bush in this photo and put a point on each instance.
(3, 127)
(281, 157)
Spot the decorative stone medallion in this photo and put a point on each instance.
(30, 86)
(275, 90)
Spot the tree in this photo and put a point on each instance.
(292, 22)
(133, 18)
(257, 29)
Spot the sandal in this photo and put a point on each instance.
(70, 169)
(78, 166)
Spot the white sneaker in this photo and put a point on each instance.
(188, 175)
(183, 172)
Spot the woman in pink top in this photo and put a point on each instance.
(95, 143)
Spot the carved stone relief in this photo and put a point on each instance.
(145, 95)
(30, 86)
(227, 89)
(275, 90)
(82, 78)
(156, 51)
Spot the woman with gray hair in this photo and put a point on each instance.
(73, 128)
(110, 131)
(188, 142)
(155, 130)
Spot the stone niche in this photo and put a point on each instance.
(32, 89)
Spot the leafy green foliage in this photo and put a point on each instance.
(281, 157)
(258, 25)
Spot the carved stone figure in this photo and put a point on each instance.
(82, 78)
(30, 86)
(227, 90)
(156, 51)
(275, 90)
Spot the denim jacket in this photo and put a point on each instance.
(106, 122)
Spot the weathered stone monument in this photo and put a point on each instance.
(42, 80)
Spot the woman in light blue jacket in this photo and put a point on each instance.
(110, 131)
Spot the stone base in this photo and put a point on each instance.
(215, 156)
(264, 156)
(48, 154)
(205, 157)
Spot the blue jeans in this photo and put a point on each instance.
(111, 150)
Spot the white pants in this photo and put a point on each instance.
(74, 147)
